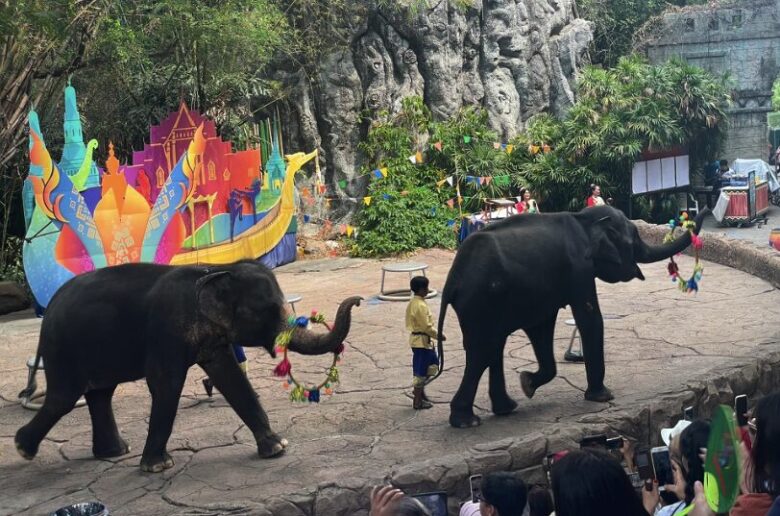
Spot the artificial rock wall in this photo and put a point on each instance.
(740, 38)
(516, 58)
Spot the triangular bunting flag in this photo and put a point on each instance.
(383, 171)
(306, 218)
(413, 159)
(439, 183)
(496, 145)
(433, 211)
(488, 180)
(343, 184)
(378, 173)
(322, 188)
(367, 201)
(350, 229)
(467, 139)
(327, 203)
(546, 148)
(460, 200)
(305, 193)
(418, 157)
(450, 180)
(437, 146)
(404, 193)
(451, 203)
(342, 229)
(509, 149)
(450, 223)
(385, 196)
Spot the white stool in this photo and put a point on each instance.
(576, 355)
(403, 294)
(291, 300)
(27, 401)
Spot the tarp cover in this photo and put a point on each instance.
(763, 171)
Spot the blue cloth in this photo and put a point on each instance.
(775, 510)
(422, 359)
(469, 226)
(283, 253)
(239, 352)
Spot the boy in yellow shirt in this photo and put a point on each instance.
(419, 323)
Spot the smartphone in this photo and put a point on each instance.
(436, 502)
(614, 443)
(594, 441)
(741, 408)
(475, 481)
(644, 465)
(688, 413)
(662, 466)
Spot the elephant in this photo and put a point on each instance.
(518, 273)
(140, 320)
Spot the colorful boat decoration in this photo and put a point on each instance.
(187, 198)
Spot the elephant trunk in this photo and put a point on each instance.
(307, 342)
(654, 253)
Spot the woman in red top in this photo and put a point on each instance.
(595, 197)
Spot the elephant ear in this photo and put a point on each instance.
(214, 298)
(602, 247)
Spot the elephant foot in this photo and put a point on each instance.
(156, 464)
(527, 384)
(504, 407)
(116, 449)
(464, 420)
(25, 450)
(271, 446)
(601, 395)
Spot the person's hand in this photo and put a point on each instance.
(678, 488)
(384, 500)
(700, 508)
(745, 484)
(650, 496)
(627, 450)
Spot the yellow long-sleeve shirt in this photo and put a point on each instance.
(419, 323)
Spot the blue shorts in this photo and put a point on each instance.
(422, 359)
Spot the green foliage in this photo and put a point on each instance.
(617, 21)
(406, 211)
(776, 95)
(11, 266)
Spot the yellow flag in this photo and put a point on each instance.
(350, 229)
(439, 183)
(418, 157)
(367, 201)
(327, 203)
(383, 171)
(509, 149)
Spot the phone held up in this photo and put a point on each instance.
(475, 481)
(436, 502)
(662, 466)
(740, 409)
(688, 413)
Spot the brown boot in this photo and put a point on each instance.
(419, 403)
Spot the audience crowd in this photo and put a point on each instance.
(594, 481)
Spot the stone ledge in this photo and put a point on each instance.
(762, 262)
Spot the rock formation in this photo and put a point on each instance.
(516, 58)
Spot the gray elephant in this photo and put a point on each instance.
(517, 273)
(128, 322)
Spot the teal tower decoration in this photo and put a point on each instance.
(74, 150)
(275, 168)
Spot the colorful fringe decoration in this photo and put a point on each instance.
(692, 283)
(301, 393)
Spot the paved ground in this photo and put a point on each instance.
(368, 430)
(755, 234)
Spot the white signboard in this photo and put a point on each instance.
(660, 174)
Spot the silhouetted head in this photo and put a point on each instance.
(591, 482)
(692, 440)
(540, 502)
(765, 473)
(502, 494)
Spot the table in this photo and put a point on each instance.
(402, 294)
(499, 204)
(576, 355)
(291, 300)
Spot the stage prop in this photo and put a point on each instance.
(187, 198)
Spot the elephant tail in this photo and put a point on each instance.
(445, 302)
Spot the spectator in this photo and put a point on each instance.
(540, 502)
(761, 485)
(525, 203)
(501, 494)
(725, 172)
(595, 197)
(687, 467)
(389, 501)
(590, 482)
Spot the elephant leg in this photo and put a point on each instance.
(224, 371)
(462, 404)
(61, 397)
(591, 326)
(106, 441)
(165, 385)
(500, 401)
(542, 341)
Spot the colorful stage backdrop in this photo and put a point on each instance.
(186, 198)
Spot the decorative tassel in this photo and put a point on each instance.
(297, 394)
(314, 396)
(673, 269)
(283, 339)
(282, 369)
(333, 374)
(340, 349)
(696, 241)
(692, 285)
(302, 322)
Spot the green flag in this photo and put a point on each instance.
(342, 184)
(722, 467)
(467, 139)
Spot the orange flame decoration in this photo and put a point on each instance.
(193, 162)
(44, 186)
